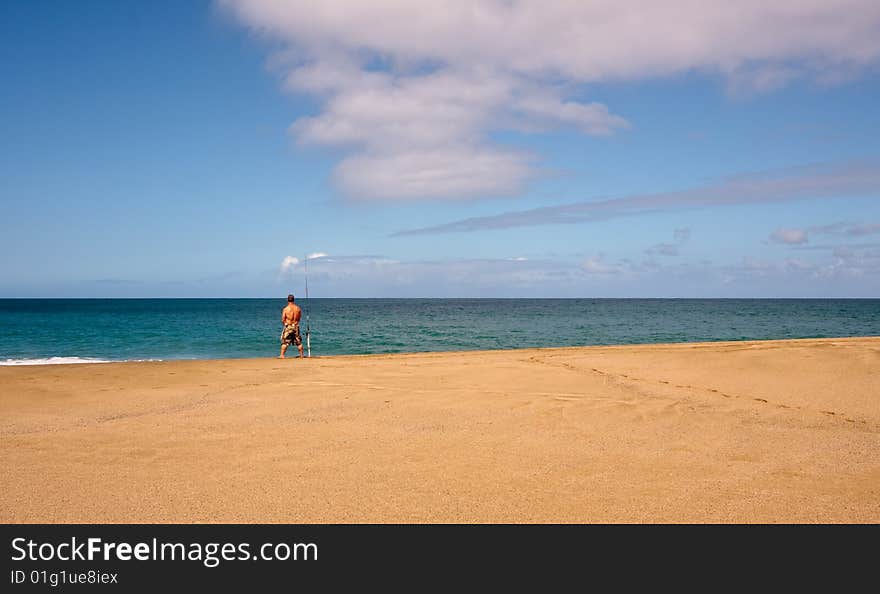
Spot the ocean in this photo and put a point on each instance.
(45, 331)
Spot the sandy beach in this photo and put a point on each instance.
(774, 431)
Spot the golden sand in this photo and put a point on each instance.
(776, 431)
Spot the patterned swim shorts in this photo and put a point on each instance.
(290, 335)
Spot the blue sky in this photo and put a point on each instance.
(205, 149)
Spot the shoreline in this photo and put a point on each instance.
(11, 362)
(729, 431)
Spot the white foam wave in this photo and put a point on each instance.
(63, 361)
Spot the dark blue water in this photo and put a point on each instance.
(125, 329)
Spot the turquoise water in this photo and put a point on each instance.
(38, 330)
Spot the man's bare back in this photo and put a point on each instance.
(291, 314)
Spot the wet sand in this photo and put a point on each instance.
(775, 431)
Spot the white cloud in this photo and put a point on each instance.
(316, 255)
(789, 236)
(413, 90)
(584, 40)
(425, 134)
(288, 264)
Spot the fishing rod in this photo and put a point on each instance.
(308, 323)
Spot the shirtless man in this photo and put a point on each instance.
(290, 316)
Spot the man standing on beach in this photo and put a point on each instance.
(290, 316)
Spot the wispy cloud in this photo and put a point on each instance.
(462, 276)
(800, 236)
(864, 229)
(679, 238)
(115, 281)
(857, 269)
(838, 180)
(413, 91)
(598, 265)
(848, 229)
(789, 236)
(836, 246)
